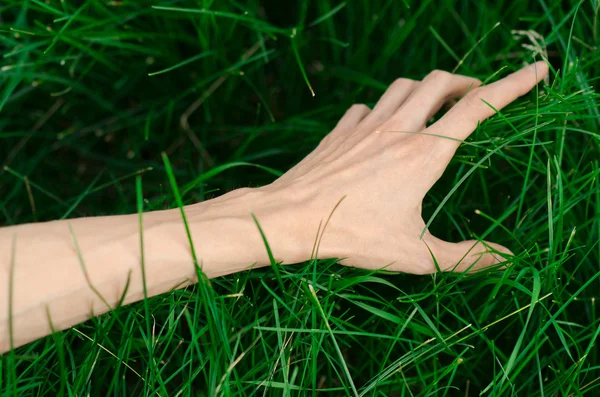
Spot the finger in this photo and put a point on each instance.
(389, 103)
(344, 128)
(391, 100)
(353, 116)
(469, 255)
(462, 119)
(436, 89)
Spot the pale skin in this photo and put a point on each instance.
(368, 177)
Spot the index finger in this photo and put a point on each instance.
(460, 121)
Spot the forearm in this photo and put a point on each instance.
(50, 263)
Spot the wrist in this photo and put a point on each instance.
(49, 277)
(227, 238)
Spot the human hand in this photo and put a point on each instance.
(382, 162)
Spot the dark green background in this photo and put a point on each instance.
(80, 117)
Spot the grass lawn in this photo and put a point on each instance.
(92, 92)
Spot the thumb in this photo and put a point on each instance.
(468, 255)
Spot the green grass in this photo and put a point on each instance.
(93, 92)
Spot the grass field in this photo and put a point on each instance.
(93, 91)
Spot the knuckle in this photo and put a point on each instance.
(439, 76)
(359, 107)
(401, 83)
(418, 141)
(473, 98)
(424, 142)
